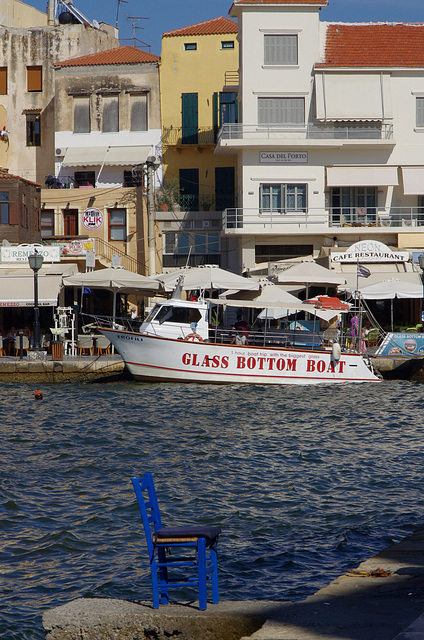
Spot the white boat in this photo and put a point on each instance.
(177, 343)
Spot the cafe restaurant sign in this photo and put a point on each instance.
(283, 157)
(369, 251)
(22, 251)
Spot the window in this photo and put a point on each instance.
(190, 46)
(227, 44)
(191, 248)
(34, 79)
(47, 223)
(110, 114)
(70, 222)
(420, 112)
(353, 205)
(33, 129)
(289, 111)
(139, 113)
(274, 252)
(85, 178)
(3, 81)
(118, 224)
(280, 49)
(283, 198)
(4, 207)
(132, 178)
(82, 114)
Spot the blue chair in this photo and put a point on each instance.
(161, 540)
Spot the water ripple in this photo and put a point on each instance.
(304, 482)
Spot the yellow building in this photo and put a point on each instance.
(199, 86)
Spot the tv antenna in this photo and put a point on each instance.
(117, 11)
(134, 20)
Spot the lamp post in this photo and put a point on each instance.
(35, 262)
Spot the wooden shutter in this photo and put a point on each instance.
(14, 217)
(3, 81)
(189, 118)
(34, 78)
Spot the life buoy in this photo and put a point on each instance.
(192, 337)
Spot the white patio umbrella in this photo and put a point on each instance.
(310, 273)
(115, 279)
(206, 277)
(391, 289)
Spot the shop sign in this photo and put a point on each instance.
(92, 218)
(402, 344)
(22, 251)
(283, 157)
(77, 248)
(369, 251)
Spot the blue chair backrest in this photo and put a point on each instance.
(149, 507)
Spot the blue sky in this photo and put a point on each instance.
(165, 15)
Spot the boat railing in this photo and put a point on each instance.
(271, 338)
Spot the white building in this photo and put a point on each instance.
(330, 133)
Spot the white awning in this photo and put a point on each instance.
(84, 156)
(18, 290)
(342, 96)
(413, 180)
(112, 156)
(127, 155)
(362, 176)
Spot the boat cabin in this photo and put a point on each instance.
(177, 319)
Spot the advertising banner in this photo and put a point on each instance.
(402, 344)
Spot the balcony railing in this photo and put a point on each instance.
(193, 202)
(401, 218)
(189, 135)
(353, 131)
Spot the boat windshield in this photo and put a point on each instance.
(179, 315)
(152, 314)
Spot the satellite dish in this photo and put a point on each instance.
(95, 24)
(6, 243)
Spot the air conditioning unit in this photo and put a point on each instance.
(385, 222)
(409, 223)
(60, 151)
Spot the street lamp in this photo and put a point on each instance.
(35, 262)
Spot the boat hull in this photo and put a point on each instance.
(154, 358)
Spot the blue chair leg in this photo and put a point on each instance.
(163, 574)
(214, 576)
(201, 567)
(155, 583)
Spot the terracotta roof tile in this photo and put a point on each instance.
(374, 45)
(119, 55)
(293, 2)
(209, 27)
(5, 175)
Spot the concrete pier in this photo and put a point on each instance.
(381, 599)
(70, 369)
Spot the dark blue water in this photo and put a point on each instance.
(304, 482)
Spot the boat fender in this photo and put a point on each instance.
(38, 395)
(336, 351)
(194, 336)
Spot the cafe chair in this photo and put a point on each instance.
(25, 344)
(102, 345)
(84, 344)
(198, 544)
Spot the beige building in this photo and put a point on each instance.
(29, 49)
(107, 125)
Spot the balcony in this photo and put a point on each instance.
(237, 134)
(193, 202)
(182, 136)
(346, 220)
